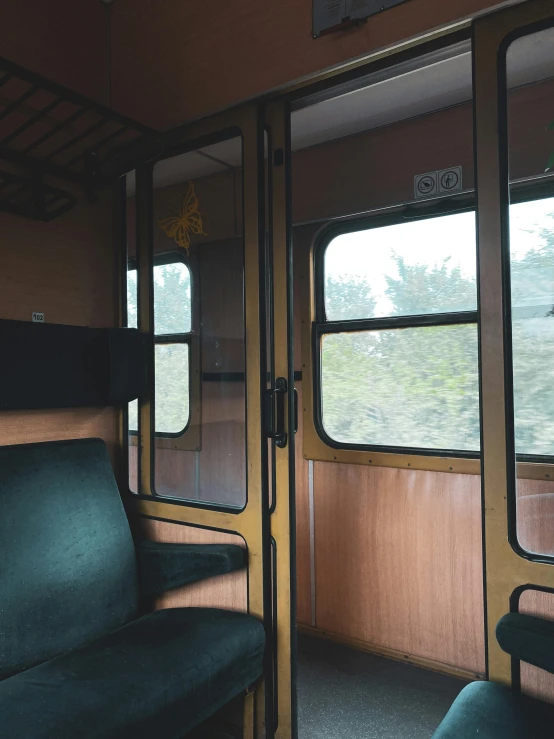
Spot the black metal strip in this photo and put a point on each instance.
(6, 78)
(75, 140)
(55, 130)
(70, 96)
(14, 194)
(31, 122)
(238, 376)
(16, 103)
(102, 142)
(396, 322)
(38, 165)
(172, 338)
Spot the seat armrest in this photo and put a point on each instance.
(163, 567)
(527, 638)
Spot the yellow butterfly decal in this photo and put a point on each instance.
(187, 221)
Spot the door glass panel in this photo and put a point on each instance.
(200, 386)
(132, 321)
(172, 388)
(530, 83)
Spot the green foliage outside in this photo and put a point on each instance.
(418, 387)
(406, 387)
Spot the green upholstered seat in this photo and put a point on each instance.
(160, 675)
(527, 638)
(75, 661)
(165, 566)
(486, 710)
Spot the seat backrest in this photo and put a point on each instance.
(67, 559)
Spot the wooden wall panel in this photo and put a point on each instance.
(376, 169)
(176, 61)
(398, 561)
(66, 269)
(228, 591)
(534, 681)
(64, 40)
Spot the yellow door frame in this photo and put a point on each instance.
(506, 570)
(252, 522)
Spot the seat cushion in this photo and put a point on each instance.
(164, 566)
(160, 675)
(68, 574)
(486, 710)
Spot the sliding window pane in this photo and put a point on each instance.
(413, 387)
(414, 268)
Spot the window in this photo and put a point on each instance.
(396, 333)
(172, 337)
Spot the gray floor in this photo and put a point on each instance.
(346, 694)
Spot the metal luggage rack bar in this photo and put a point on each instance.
(23, 196)
(50, 130)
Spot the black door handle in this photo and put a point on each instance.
(276, 413)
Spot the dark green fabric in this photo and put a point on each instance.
(159, 676)
(485, 710)
(527, 638)
(166, 566)
(67, 560)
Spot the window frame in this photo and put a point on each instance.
(317, 444)
(323, 326)
(189, 438)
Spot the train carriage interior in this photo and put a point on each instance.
(277, 378)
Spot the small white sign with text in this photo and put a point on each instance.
(440, 182)
(38, 317)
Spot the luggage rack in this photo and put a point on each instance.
(21, 196)
(47, 129)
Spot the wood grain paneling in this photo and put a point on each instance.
(398, 560)
(228, 591)
(176, 61)
(67, 270)
(534, 681)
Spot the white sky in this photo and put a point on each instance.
(369, 254)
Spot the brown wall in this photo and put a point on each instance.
(65, 269)
(176, 61)
(64, 40)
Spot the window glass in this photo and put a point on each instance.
(414, 387)
(532, 278)
(172, 299)
(172, 315)
(414, 268)
(132, 299)
(172, 388)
